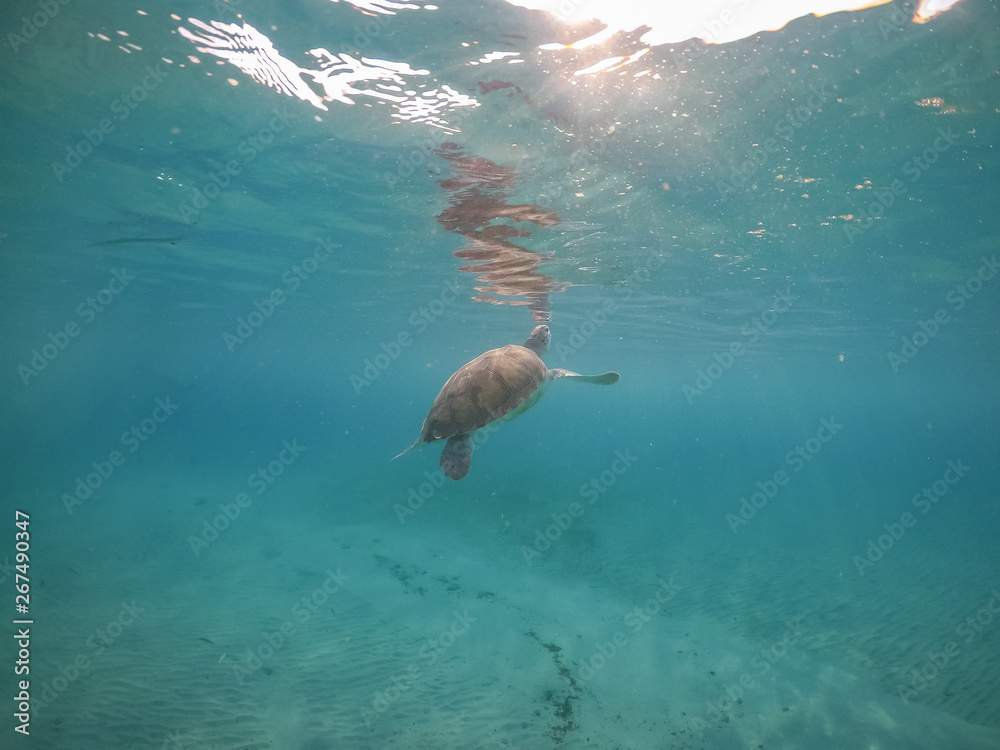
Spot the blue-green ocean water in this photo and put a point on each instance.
(226, 308)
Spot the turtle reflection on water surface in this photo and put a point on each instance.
(491, 389)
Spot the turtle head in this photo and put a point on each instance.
(539, 340)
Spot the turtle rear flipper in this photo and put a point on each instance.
(457, 456)
(605, 378)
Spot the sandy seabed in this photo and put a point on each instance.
(281, 634)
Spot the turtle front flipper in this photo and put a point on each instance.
(605, 378)
(457, 456)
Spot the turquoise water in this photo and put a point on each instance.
(240, 262)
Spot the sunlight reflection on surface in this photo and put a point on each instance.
(339, 76)
(713, 21)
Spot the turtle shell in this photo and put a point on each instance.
(483, 391)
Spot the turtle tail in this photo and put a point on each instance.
(408, 448)
(605, 378)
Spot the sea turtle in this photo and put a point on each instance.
(491, 389)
